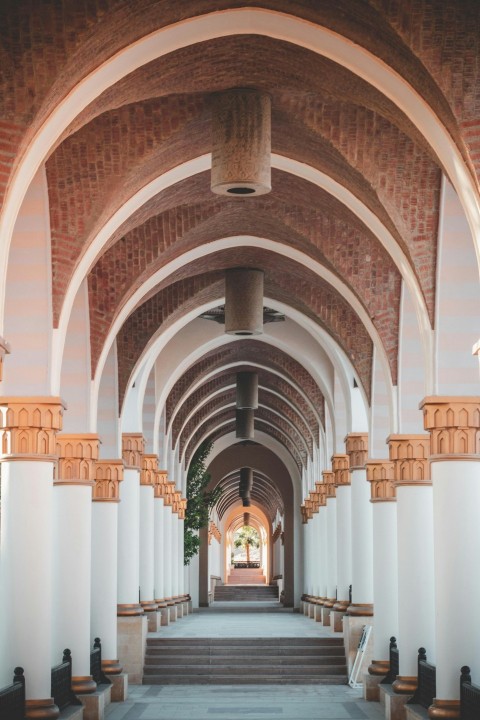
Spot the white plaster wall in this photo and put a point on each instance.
(149, 412)
(75, 384)
(411, 368)
(380, 420)
(28, 303)
(457, 301)
(341, 425)
(107, 423)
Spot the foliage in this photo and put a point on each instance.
(199, 501)
(247, 536)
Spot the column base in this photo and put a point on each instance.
(341, 606)
(360, 610)
(379, 667)
(119, 687)
(164, 612)
(148, 605)
(326, 611)
(45, 708)
(393, 704)
(444, 709)
(371, 689)
(336, 619)
(405, 684)
(132, 641)
(329, 602)
(129, 610)
(94, 705)
(111, 667)
(84, 684)
(318, 613)
(153, 619)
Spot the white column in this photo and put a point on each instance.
(167, 542)
(73, 554)
(129, 544)
(416, 617)
(146, 570)
(362, 535)
(316, 553)
(454, 424)
(106, 497)
(28, 428)
(340, 467)
(331, 520)
(174, 554)
(158, 541)
(323, 544)
(181, 570)
(385, 567)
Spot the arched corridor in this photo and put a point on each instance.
(239, 340)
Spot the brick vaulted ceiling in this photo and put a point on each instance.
(323, 116)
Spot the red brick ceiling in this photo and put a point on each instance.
(323, 116)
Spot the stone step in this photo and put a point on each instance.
(219, 660)
(250, 642)
(266, 652)
(185, 679)
(239, 670)
(156, 660)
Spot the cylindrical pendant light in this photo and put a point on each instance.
(247, 390)
(244, 424)
(241, 143)
(246, 481)
(246, 502)
(246, 519)
(244, 301)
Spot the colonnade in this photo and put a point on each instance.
(404, 534)
(90, 548)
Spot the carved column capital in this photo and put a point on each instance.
(321, 490)
(454, 425)
(356, 446)
(133, 446)
(341, 469)
(160, 481)
(409, 454)
(213, 531)
(149, 469)
(380, 473)
(108, 476)
(77, 454)
(29, 425)
(329, 482)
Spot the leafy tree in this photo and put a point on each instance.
(247, 538)
(199, 501)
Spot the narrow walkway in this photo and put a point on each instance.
(232, 702)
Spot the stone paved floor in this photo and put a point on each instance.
(232, 702)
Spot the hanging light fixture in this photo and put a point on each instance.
(241, 143)
(246, 519)
(244, 427)
(243, 301)
(247, 390)
(246, 481)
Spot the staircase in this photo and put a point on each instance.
(244, 661)
(246, 576)
(240, 593)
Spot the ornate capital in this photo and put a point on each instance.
(29, 425)
(356, 446)
(380, 473)
(160, 482)
(321, 490)
(213, 531)
(77, 454)
(277, 533)
(149, 469)
(341, 469)
(182, 508)
(409, 454)
(133, 445)
(329, 482)
(454, 424)
(168, 493)
(108, 475)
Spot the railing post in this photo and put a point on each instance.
(391, 675)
